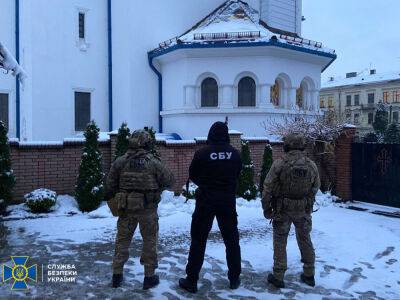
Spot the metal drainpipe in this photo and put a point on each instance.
(110, 66)
(17, 83)
(160, 95)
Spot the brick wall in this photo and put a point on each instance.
(55, 166)
(52, 166)
(343, 164)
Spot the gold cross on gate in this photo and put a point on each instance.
(384, 159)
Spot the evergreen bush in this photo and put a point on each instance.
(246, 187)
(266, 165)
(122, 140)
(381, 121)
(7, 179)
(152, 134)
(40, 201)
(89, 188)
(392, 134)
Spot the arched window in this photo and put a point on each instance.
(209, 92)
(276, 93)
(300, 97)
(247, 92)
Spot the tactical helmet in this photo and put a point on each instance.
(140, 139)
(294, 142)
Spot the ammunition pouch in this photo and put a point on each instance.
(117, 204)
(113, 206)
(295, 205)
(141, 199)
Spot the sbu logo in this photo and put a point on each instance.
(221, 155)
(19, 273)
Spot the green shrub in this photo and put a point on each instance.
(381, 121)
(152, 134)
(40, 201)
(7, 179)
(246, 188)
(392, 134)
(89, 188)
(122, 140)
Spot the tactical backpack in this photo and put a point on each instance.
(139, 185)
(296, 178)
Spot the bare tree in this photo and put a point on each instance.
(321, 134)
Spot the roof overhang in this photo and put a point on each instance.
(250, 48)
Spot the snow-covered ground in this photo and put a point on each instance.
(357, 253)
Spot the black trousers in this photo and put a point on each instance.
(202, 221)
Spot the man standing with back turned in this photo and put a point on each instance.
(289, 194)
(135, 183)
(215, 169)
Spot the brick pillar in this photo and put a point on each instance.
(343, 188)
(113, 143)
(236, 139)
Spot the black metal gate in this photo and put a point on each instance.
(376, 173)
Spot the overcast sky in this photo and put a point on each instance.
(363, 32)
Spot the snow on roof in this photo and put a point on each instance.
(236, 21)
(361, 79)
(8, 63)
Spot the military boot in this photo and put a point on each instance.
(117, 280)
(309, 280)
(234, 283)
(150, 282)
(188, 285)
(275, 281)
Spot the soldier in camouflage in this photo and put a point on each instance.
(134, 185)
(289, 194)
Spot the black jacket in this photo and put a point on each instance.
(216, 168)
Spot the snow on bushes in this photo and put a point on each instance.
(190, 192)
(41, 200)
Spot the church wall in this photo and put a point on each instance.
(138, 27)
(7, 37)
(182, 112)
(62, 64)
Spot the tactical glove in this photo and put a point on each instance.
(268, 214)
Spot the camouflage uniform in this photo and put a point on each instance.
(136, 181)
(289, 194)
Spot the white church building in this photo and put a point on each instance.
(174, 65)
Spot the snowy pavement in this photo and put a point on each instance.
(357, 254)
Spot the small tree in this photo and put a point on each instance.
(392, 134)
(266, 165)
(89, 187)
(7, 179)
(381, 120)
(152, 134)
(122, 140)
(246, 188)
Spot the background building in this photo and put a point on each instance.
(93, 60)
(355, 97)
